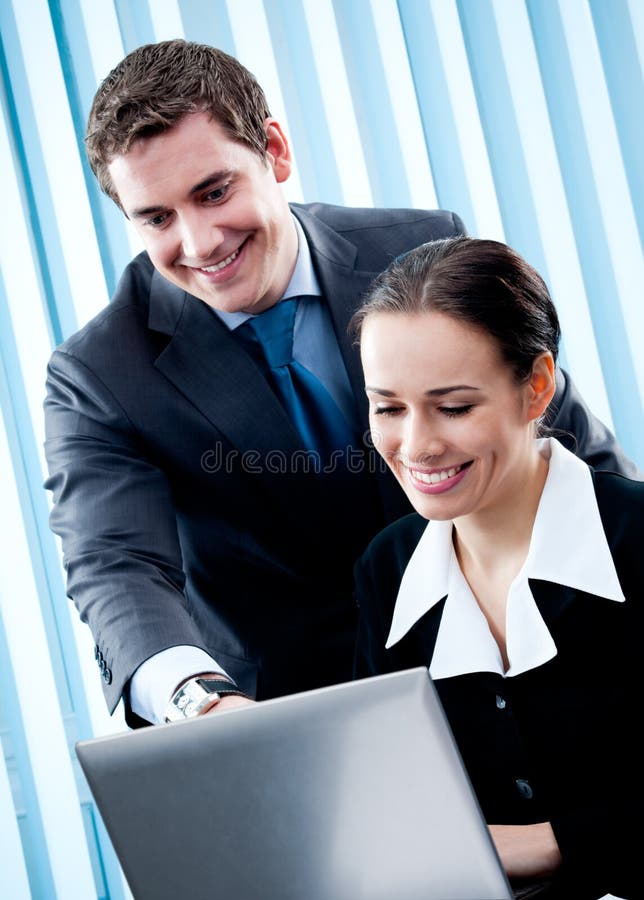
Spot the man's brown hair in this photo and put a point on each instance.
(156, 85)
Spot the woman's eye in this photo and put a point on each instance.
(456, 410)
(387, 410)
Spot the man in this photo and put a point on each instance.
(207, 528)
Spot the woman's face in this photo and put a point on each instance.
(446, 412)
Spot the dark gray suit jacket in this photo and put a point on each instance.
(184, 515)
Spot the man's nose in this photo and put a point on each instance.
(200, 238)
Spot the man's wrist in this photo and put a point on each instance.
(198, 694)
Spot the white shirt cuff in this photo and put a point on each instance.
(154, 682)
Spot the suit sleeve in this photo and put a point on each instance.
(572, 423)
(114, 514)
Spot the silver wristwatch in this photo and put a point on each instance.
(196, 694)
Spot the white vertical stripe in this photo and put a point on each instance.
(338, 105)
(608, 169)
(103, 37)
(254, 50)
(407, 121)
(62, 162)
(549, 197)
(106, 51)
(471, 140)
(166, 19)
(23, 291)
(12, 863)
(102, 722)
(42, 721)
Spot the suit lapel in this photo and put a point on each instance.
(213, 372)
(343, 287)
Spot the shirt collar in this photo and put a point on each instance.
(567, 510)
(303, 281)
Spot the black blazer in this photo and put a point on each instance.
(556, 743)
(183, 515)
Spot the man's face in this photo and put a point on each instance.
(211, 212)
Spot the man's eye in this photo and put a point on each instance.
(457, 410)
(158, 220)
(217, 193)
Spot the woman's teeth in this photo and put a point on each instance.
(437, 477)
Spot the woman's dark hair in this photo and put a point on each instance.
(484, 283)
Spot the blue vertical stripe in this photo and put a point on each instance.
(45, 563)
(135, 23)
(30, 825)
(623, 72)
(15, 103)
(208, 23)
(77, 68)
(372, 100)
(439, 126)
(501, 131)
(590, 233)
(308, 124)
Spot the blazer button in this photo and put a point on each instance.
(500, 702)
(524, 789)
(107, 675)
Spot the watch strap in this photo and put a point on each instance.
(196, 695)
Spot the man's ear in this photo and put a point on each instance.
(541, 385)
(278, 152)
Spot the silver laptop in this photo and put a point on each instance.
(353, 792)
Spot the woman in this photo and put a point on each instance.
(522, 594)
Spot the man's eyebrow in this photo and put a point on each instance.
(208, 181)
(213, 178)
(435, 392)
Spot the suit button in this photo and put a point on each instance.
(500, 702)
(107, 675)
(524, 789)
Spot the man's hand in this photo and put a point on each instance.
(527, 851)
(228, 702)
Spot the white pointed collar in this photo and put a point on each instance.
(568, 547)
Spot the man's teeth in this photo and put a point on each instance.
(222, 264)
(437, 477)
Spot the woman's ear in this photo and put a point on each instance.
(541, 385)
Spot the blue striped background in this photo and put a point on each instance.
(524, 116)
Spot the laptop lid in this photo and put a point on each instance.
(348, 792)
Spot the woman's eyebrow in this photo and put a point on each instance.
(433, 392)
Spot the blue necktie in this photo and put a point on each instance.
(311, 408)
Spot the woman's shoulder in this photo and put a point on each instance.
(620, 499)
(395, 544)
(621, 509)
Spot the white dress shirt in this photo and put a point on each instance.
(568, 547)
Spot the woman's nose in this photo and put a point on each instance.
(422, 439)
